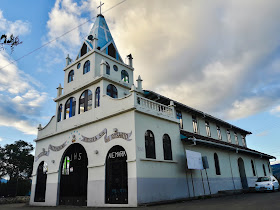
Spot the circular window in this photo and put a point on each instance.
(79, 65)
(115, 68)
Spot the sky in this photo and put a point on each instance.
(221, 57)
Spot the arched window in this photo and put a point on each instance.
(86, 67)
(217, 164)
(41, 183)
(150, 145)
(107, 68)
(264, 171)
(71, 76)
(85, 102)
(97, 97)
(59, 112)
(167, 150)
(253, 168)
(70, 106)
(124, 76)
(112, 91)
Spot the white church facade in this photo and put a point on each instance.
(113, 144)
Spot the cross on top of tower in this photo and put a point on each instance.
(101, 4)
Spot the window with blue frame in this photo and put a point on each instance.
(97, 97)
(71, 76)
(179, 116)
(107, 68)
(70, 107)
(124, 76)
(85, 101)
(59, 112)
(86, 67)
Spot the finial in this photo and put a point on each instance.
(100, 7)
(139, 83)
(59, 90)
(40, 127)
(130, 58)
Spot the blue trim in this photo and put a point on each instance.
(107, 50)
(70, 111)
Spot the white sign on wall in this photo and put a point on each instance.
(194, 160)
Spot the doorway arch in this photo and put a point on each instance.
(242, 173)
(74, 176)
(116, 187)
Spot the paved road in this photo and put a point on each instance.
(244, 201)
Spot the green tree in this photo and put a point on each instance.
(16, 160)
(11, 41)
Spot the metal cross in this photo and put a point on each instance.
(100, 7)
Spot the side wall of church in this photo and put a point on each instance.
(159, 179)
(230, 178)
(96, 153)
(188, 126)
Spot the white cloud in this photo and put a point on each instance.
(20, 101)
(16, 28)
(264, 133)
(11, 79)
(275, 111)
(65, 16)
(215, 56)
(1, 139)
(248, 106)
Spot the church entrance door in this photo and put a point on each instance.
(242, 173)
(116, 189)
(74, 176)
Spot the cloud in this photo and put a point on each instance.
(17, 27)
(20, 99)
(275, 111)
(65, 16)
(217, 56)
(264, 133)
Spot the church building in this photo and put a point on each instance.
(114, 144)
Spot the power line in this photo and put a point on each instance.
(49, 42)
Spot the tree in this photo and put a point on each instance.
(12, 41)
(16, 160)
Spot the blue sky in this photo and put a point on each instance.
(221, 57)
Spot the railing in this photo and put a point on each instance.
(154, 106)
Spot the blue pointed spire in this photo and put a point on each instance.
(101, 30)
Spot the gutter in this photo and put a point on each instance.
(227, 146)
